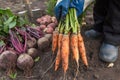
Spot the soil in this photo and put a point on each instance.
(97, 70)
(18, 5)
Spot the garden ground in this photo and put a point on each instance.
(97, 69)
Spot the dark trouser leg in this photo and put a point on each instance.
(99, 14)
(112, 23)
(100, 11)
(111, 29)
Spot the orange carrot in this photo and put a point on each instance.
(58, 58)
(82, 49)
(65, 52)
(74, 47)
(54, 41)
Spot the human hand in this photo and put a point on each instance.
(80, 5)
(61, 8)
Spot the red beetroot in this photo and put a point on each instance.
(54, 20)
(48, 30)
(48, 19)
(53, 25)
(38, 20)
(37, 28)
(43, 43)
(44, 20)
(8, 61)
(25, 63)
(42, 27)
(31, 42)
(49, 37)
(33, 52)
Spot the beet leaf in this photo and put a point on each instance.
(34, 32)
(19, 46)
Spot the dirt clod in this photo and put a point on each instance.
(96, 76)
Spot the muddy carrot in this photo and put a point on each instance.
(81, 45)
(54, 41)
(58, 58)
(82, 49)
(65, 52)
(74, 38)
(65, 46)
(74, 47)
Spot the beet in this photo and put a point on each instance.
(48, 19)
(33, 52)
(37, 28)
(8, 61)
(25, 63)
(49, 37)
(31, 43)
(54, 20)
(53, 25)
(42, 27)
(43, 43)
(45, 20)
(38, 20)
(48, 30)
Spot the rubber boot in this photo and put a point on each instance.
(108, 52)
(92, 34)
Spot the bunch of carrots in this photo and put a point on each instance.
(67, 38)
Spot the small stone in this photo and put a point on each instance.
(110, 65)
(96, 76)
(83, 23)
(90, 69)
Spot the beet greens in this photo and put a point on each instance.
(34, 32)
(20, 46)
(2, 46)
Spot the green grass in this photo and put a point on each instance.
(50, 7)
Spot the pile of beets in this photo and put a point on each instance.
(23, 44)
